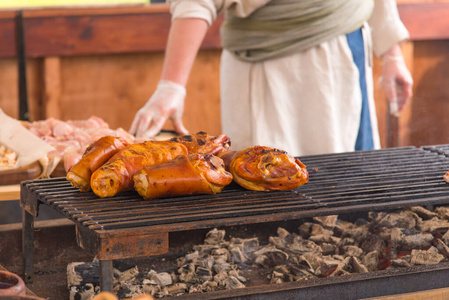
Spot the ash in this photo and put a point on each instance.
(323, 247)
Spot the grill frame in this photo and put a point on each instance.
(339, 184)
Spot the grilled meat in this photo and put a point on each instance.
(201, 142)
(116, 175)
(93, 158)
(262, 168)
(185, 175)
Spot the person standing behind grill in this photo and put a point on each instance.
(295, 75)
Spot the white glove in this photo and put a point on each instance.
(397, 83)
(166, 102)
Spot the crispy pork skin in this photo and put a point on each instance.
(116, 175)
(201, 142)
(262, 168)
(93, 158)
(185, 175)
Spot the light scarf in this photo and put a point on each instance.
(283, 27)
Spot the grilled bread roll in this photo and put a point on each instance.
(201, 142)
(261, 168)
(185, 175)
(93, 158)
(116, 175)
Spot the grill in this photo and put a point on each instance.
(127, 226)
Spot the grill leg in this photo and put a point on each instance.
(106, 273)
(28, 246)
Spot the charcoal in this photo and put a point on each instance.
(204, 250)
(443, 212)
(373, 242)
(270, 256)
(423, 213)
(127, 275)
(324, 238)
(434, 224)
(203, 274)
(188, 268)
(181, 261)
(207, 262)
(405, 239)
(233, 283)
(82, 292)
(221, 255)
(357, 233)
(358, 266)
(162, 279)
(221, 266)
(237, 255)
(151, 289)
(188, 277)
(282, 233)
(214, 237)
(221, 278)
(82, 273)
(277, 242)
(277, 277)
(347, 241)
(341, 227)
(193, 256)
(282, 269)
(402, 262)
(425, 257)
(327, 222)
(177, 288)
(209, 286)
(328, 248)
(445, 238)
(442, 247)
(300, 245)
(371, 260)
(403, 219)
(351, 250)
(310, 229)
(236, 274)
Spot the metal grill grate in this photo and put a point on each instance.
(127, 226)
(354, 181)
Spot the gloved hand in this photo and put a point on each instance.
(397, 82)
(166, 102)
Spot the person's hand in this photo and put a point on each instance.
(166, 102)
(397, 82)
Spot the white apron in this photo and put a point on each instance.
(306, 103)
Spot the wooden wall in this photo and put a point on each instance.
(107, 61)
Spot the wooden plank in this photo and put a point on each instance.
(429, 109)
(426, 21)
(112, 30)
(437, 294)
(52, 87)
(100, 30)
(7, 34)
(9, 192)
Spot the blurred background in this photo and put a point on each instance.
(104, 57)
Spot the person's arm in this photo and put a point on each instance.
(388, 32)
(184, 41)
(396, 79)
